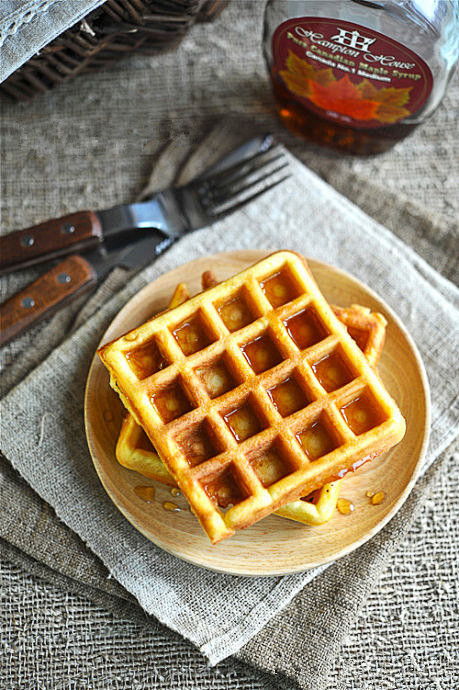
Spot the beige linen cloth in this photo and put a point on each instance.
(220, 614)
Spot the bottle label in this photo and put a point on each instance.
(348, 73)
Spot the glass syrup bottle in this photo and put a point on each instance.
(359, 75)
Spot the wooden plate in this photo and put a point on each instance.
(274, 545)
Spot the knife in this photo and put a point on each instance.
(173, 211)
(71, 278)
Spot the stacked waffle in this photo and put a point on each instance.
(255, 396)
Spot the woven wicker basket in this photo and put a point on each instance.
(112, 31)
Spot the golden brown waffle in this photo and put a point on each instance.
(135, 451)
(253, 393)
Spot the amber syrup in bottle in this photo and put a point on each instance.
(359, 75)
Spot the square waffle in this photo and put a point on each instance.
(283, 386)
(134, 450)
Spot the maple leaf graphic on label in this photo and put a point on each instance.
(390, 101)
(299, 75)
(360, 101)
(343, 97)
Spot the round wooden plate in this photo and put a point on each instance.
(275, 545)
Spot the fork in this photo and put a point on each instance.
(250, 170)
(242, 176)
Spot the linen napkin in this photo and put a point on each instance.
(291, 216)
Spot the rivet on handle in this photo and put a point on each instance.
(27, 241)
(28, 302)
(63, 278)
(68, 229)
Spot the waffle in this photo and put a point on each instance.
(253, 394)
(314, 509)
(135, 451)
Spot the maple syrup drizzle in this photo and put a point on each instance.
(269, 467)
(216, 378)
(316, 441)
(224, 490)
(171, 402)
(355, 466)
(288, 397)
(243, 422)
(175, 491)
(377, 498)
(344, 506)
(261, 354)
(235, 314)
(305, 329)
(370, 494)
(332, 372)
(171, 507)
(146, 359)
(191, 335)
(362, 414)
(146, 493)
(279, 288)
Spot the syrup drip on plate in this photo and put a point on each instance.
(175, 492)
(345, 507)
(377, 498)
(146, 493)
(171, 507)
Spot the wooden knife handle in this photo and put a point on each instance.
(47, 294)
(48, 240)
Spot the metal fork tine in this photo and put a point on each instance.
(230, 209)
(243, 184)
(244, 174)
(242, 169)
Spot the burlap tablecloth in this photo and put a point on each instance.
(57, 156)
